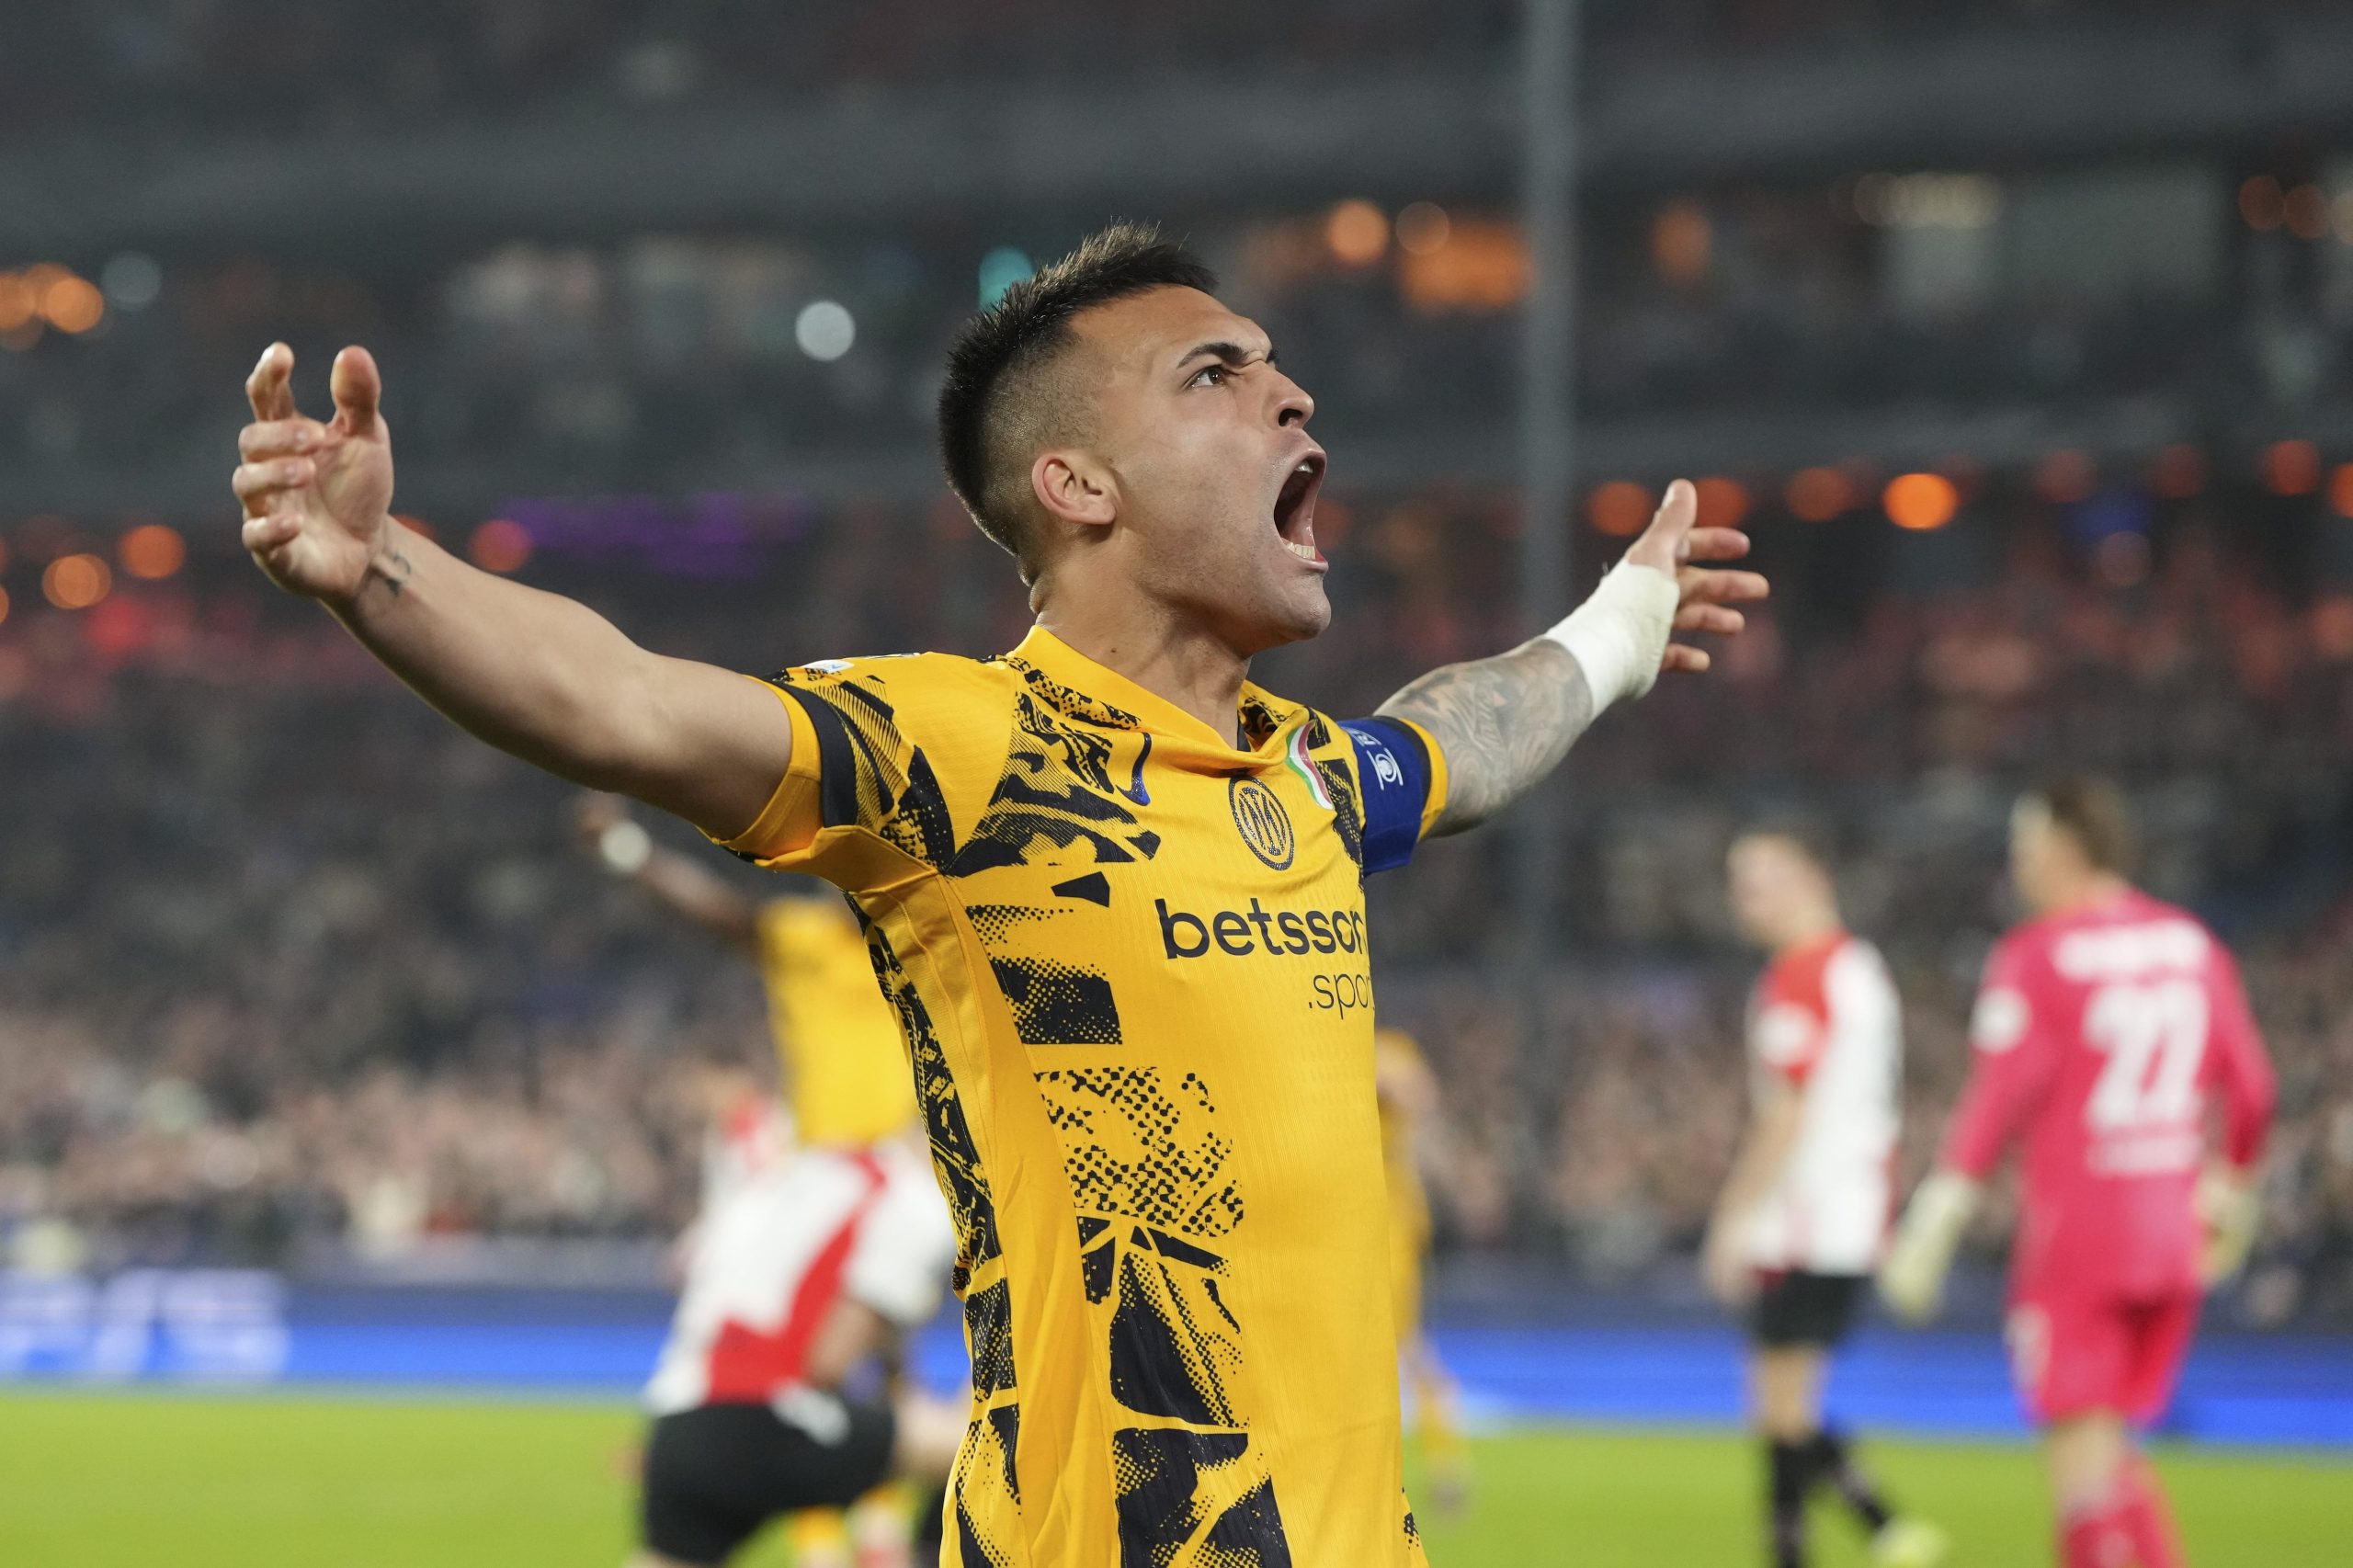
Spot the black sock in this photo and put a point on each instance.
(1789, 1470)
(1832, 1461)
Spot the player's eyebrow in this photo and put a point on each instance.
(1225, 352)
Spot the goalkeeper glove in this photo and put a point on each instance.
(2231, 1210)
(1912, 1279)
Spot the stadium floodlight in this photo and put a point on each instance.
(824, 329)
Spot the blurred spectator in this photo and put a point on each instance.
(286, 962)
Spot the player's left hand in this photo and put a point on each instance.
(1672, 543)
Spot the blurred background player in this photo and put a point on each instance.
(822, 1241)
(2102, 1023)
(1408, 1100)
(1803, 1214)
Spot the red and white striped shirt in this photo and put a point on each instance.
(1825, 1020)
(779, 1246)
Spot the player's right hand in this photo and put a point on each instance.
(1726, 1272)
(316, 494)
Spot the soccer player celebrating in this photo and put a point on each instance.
(2103, 1024)
(1801, 1221)
(767, 1329)
(1113, 891)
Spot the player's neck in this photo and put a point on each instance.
(2081, 894)
(1190, 667)
(1810, 931)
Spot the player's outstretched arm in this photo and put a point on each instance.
(1507, 721)
(531, 672)
(688, 886)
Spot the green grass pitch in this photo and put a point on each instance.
(130, 1480)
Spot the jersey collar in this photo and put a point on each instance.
(1100, 695)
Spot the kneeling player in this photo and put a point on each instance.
(1804, 1213)
(769, 1399)
(2103, 1022)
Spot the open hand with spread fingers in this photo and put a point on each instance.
(1671, 544)
(316, 493)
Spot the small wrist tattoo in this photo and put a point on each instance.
(394, 574)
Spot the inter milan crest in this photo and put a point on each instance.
(1264, 825)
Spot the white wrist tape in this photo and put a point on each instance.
(1619, 635)
(625, 848)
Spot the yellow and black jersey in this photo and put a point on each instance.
(844, 1069)
(1130, 964)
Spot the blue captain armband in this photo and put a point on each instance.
(1393, 781)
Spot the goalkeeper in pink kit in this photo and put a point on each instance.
(2106, 1025)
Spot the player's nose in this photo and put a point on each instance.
(1292, 406)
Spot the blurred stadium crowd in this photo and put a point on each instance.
(231, 61)
(288, 967)
(685, 355)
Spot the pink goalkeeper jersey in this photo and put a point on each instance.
(2097, 1036)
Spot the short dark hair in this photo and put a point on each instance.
(997, 403)
(2092, 814)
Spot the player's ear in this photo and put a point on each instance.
(1074, 487)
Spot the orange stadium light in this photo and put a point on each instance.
(1920, 502)
(1358, 232)
(1423, 228)
(2340, 490)
(72, 305)
(1723, 502)
(2262, 203)
(1818, 494)
(1681, 241)
(151, 550)
(1482, 266)
(17, 306)
(77, 582)
(4, 606)
(1619, 508)
(2179, 471)
(2307, 210)
(2292, 468)
(415, 525)
(500, 545)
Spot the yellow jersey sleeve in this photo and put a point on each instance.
(889, 755)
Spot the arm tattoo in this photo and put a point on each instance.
(1503, 723)
(394, 574)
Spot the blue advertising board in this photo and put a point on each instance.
(241, 1327)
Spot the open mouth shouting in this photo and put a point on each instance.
(1294, 508)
